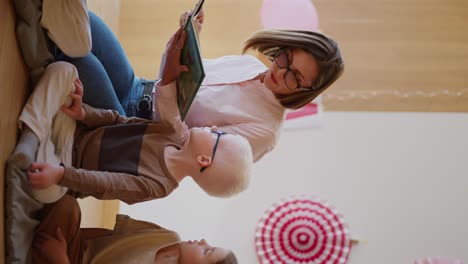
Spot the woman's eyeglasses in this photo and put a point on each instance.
(283, 59)
(219, 133)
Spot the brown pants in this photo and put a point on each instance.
(66, 214)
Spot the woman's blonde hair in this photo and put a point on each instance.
(324, 49)
(229, 259)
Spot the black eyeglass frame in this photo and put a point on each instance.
(289, 70)
(215, 147)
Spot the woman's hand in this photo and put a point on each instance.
(43, 175)
(76, 110)
(198, 21)
(53, 249)
(170, 64)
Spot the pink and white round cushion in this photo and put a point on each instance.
(289, 14)
(302, 229)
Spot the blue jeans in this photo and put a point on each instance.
(108, 78)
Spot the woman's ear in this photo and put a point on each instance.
(204, 160)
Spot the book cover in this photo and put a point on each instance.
(189, 82)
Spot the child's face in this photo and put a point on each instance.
(203, 139)
(198, 252)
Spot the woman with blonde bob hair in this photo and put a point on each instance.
(239, 95)
(323, 49)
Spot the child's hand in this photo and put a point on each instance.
(43, 175)
(53, 249)
(76, 110)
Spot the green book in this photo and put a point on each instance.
(189, 82)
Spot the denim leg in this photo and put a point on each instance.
(98, 89)
(107, 49)
(106, 73)
(129, 104)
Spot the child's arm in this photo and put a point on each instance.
(96, 117)
(261, 136)
(103, 185)
(169, 113)
(90, 116)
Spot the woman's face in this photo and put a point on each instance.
(200, 252)
(303, 66)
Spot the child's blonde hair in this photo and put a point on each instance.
(230, 171)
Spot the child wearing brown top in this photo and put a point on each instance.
(116, 157)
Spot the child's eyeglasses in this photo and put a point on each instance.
(219, 133)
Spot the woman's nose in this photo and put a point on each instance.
(281, 72)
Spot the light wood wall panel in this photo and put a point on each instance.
(147, 25)
(109, 11)
(392, 48)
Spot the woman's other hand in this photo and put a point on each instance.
(53, 249)
(76, 110)
(44, 175)
(171, 68)
(198, 21)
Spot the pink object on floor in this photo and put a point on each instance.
(302, 229)
(438, 260)
(307, 110)
(289, 14)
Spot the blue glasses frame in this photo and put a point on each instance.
(219, 133)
